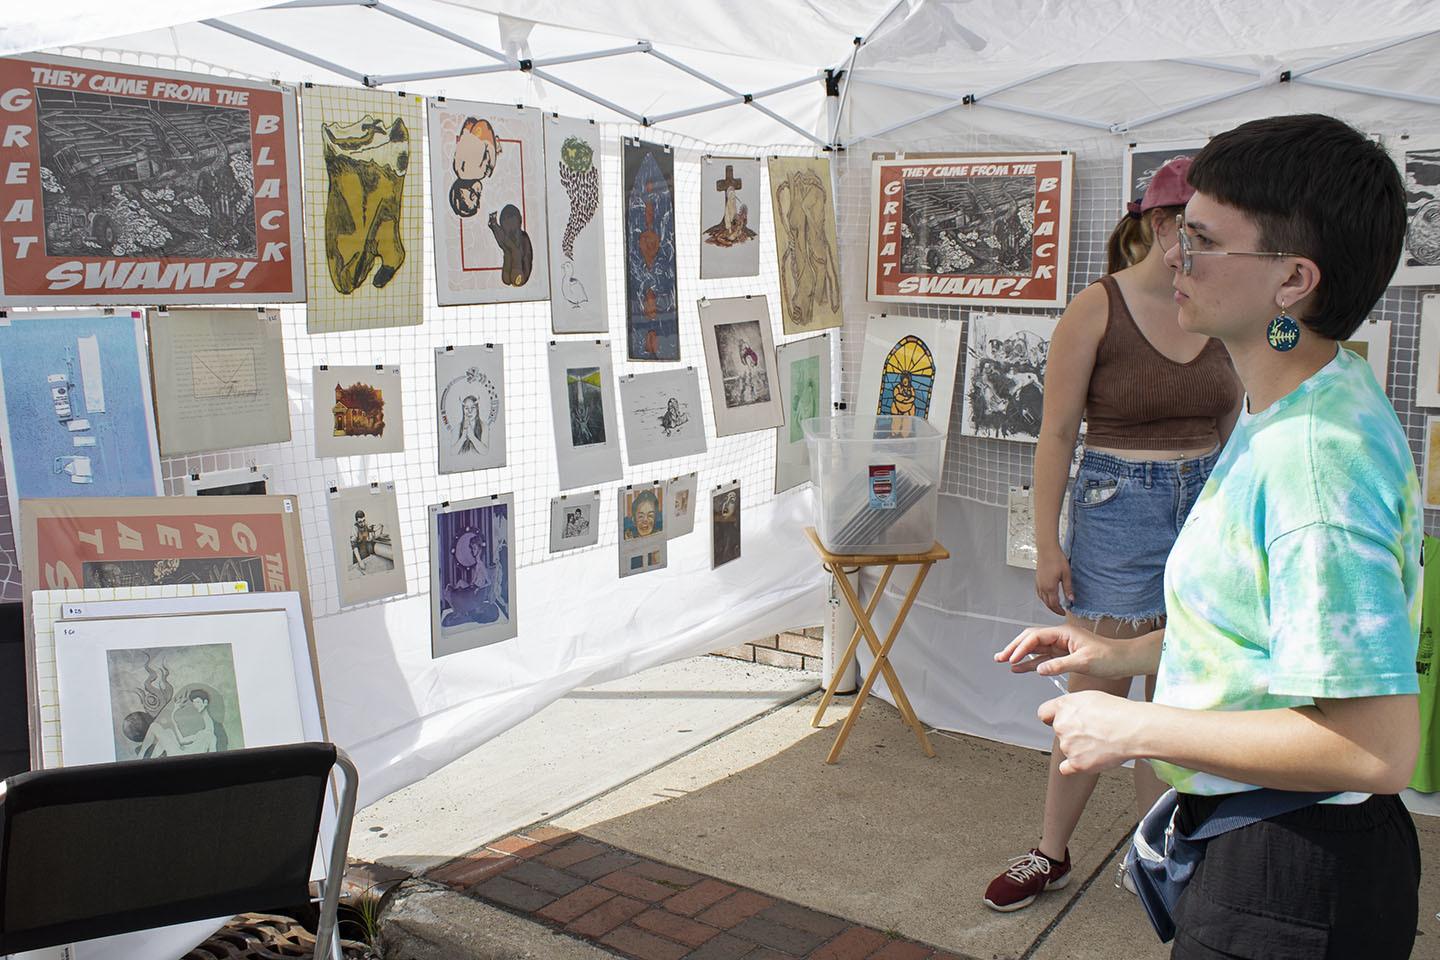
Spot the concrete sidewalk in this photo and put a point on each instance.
(751, 846)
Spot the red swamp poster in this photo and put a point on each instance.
(971, 230)
(122, 184)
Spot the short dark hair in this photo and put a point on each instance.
(1317, 187)
(197, 692)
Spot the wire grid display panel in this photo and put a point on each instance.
(524, 331)
(984, 469)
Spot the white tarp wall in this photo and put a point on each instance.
(973, 605)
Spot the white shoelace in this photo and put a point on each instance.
(1024, 867)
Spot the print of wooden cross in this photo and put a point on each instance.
(730, 181)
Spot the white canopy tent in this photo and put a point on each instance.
(924, 75)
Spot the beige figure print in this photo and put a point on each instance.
(805, 243)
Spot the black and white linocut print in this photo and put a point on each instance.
(976, 226)
(131, 177)
(1005, 359)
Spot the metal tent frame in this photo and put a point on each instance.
(836, 81)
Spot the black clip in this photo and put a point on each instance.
(1285, 76)
(324, 366)
(379, 366)
(444, 504)
(194, 476)
(334, 490)
(968, 100)
(749, 98)
(526, 65)
(374, 484)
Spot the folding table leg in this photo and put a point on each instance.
(849, 656)
(882, 664)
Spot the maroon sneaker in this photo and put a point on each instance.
(1026, 879)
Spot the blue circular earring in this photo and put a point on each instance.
(1283, 332)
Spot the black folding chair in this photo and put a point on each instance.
(104, 849)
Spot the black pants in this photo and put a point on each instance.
(1326, 881)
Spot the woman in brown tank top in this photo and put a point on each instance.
(1159, 402)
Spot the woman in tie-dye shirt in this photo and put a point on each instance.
(1293, 589)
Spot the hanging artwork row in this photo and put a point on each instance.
(971, 229)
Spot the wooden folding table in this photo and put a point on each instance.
(837, 563)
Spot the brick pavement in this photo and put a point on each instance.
(646, 910)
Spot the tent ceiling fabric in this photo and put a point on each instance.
(954, 47)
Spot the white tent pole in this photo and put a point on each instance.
(387, 78)
(845, 89)
(279, 47)
(1227, 67)
(305, 4)
(1045, 115)
(565, 85)
(382, 79)
(943, 108)
(1015, 83)
(1344, 58)
(1371, 91)
(450, 35)
(637, 47)
(729, 101)
(876, 24)
(686, 68)
(1127, 125)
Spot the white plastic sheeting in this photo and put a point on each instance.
(402, 715)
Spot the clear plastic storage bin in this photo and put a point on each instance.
(876, 480)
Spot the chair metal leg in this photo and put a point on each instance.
(327, 941)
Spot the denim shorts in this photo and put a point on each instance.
(1124, 518)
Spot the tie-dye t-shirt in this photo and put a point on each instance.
(1297, 574)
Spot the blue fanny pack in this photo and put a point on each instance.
(1162, 860)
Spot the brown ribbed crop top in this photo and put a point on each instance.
(1140, 399)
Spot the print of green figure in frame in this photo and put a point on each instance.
(907, 380)
(365, 164)
(804, 394)
(170, 701)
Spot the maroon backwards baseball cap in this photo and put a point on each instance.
(1170, 186)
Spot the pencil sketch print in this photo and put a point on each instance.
(1422, 208)
(172, 701)
(1005, 375)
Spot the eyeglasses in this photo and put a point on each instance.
(1188, 253)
